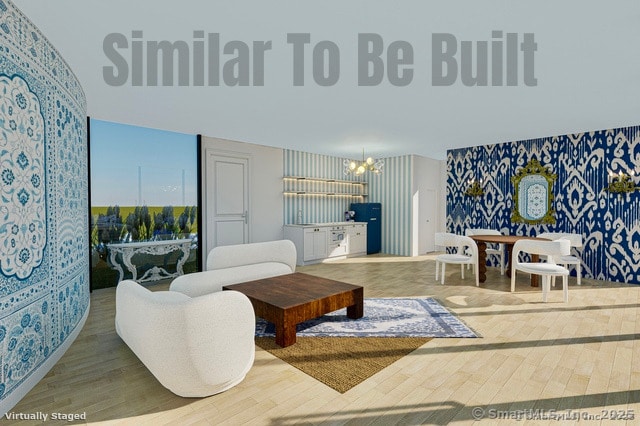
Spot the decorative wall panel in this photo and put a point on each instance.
(609, 223)
(44, 268)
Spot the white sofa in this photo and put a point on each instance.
(238, 263)
(195, 347)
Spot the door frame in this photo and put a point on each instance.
(423, 241)
(206, 247)
(427, 237)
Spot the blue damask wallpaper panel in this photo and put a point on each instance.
(609, 223)
(44, 265)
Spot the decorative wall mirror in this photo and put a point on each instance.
(533, 198)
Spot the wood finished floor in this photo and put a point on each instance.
(583, 356)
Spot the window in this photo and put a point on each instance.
(143, 200)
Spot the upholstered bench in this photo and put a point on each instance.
(238, 263)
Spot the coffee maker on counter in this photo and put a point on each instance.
(350, 216)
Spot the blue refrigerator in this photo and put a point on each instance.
(372, 214)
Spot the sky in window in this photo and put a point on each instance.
(135, 166)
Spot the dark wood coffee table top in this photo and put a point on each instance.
(285, 291)
(287, 300)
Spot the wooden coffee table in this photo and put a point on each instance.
(287, 300)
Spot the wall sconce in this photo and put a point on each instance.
(622, 183)
(474, 189)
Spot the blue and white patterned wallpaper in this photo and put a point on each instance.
(392, 188)
(44, 265)
(609, 223)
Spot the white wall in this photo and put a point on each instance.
(265, 186)
(428, 205)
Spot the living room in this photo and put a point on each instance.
(62, 356)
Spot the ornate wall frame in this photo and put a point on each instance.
(533, 194)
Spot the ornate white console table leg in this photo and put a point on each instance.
(128, 250)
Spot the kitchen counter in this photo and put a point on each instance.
(317, 242)
(311, 225)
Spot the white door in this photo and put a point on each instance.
(427, 217)
(227, 191)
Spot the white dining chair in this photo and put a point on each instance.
(548, 269)
(496, 250)
(463, 245)
(572, 258)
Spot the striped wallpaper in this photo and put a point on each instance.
(392, 188)
(316, 208)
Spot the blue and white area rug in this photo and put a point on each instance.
(388, 317)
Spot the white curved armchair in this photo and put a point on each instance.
(548, 269)
(195, 347)
(571, 258)
(460, 242)
(491, 251)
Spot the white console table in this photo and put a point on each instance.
(149, 247)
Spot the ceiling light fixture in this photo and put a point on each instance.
(368, 164)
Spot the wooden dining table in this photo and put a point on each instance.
(507, 240)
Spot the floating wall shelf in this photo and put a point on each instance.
(300, 185)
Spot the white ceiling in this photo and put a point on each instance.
(587, 67)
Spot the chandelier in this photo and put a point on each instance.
(368, 164)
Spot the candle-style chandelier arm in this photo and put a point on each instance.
(474, 188)
(620, 183)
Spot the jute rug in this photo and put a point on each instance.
(342, 362)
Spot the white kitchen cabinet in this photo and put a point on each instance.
(357, 239)
(311, 241)
(317, 242)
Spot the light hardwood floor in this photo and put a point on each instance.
(582, 356)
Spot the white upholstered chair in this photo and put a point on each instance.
(463, 244)
(496, 250)
(546, 270)
(572, 258)
(195, 347)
